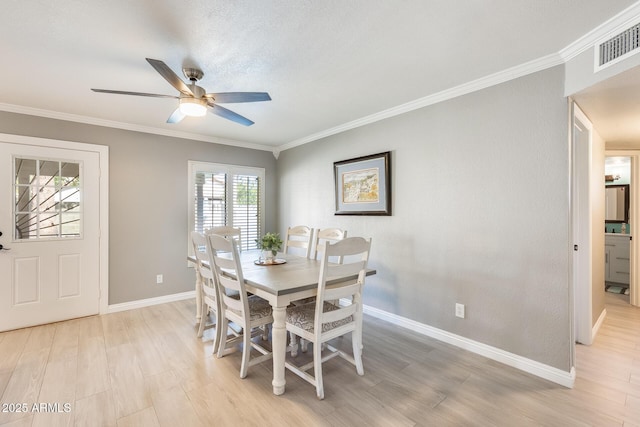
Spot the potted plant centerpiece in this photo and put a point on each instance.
(270, 244)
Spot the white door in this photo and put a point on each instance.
(581, 208)
(49, 219)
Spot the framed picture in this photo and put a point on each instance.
(363, 185)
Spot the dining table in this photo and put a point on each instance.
(292, 278)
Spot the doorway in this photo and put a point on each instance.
(632, 168)
(618, 230)
(582, 224)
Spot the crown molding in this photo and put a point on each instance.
(11, 108)
(454, 92)
(620, 22)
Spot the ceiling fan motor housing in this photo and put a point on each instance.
(193, 74)
(197, 91)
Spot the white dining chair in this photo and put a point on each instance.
(298, 241)
(322, 237)
(325, 235)
(228, 231)
(247, 312)
(208, 291)
(236, 233)
(323, 320)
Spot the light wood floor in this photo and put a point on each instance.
(146, 368)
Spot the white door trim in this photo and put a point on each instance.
(103, 152)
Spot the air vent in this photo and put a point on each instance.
(617, 47)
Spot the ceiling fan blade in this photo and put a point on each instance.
(176, 116)
(170, 76)
(229, 115)
(231, 97)
(123, 92)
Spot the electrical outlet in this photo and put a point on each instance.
(460, 310)
(159, 278)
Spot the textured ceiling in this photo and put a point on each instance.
(325, 63)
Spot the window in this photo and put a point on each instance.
(47, 199)
(227, 195)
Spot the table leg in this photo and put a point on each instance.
(279, 336)
(198, 296)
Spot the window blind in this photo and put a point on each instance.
(227, 196)
(246, 208)
(210, 200)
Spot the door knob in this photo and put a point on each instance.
(2, 247)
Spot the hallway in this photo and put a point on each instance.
(609, 369)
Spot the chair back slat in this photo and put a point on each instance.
(207, 274)
(229, 283)
(300, 238)
(225, 262)
(227, 231)
(327, 235)
(336, 315)
(333, 234)
(351, 246)
(341, 270)
(341, 291)
(233, 303)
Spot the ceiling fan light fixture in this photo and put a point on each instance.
(193, 107)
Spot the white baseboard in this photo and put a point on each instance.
(566, 379)
(131, 305)
(596, 327)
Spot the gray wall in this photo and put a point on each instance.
(481, 213)
(147, 199)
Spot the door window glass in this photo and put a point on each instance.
(47, 199)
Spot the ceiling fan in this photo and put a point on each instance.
(193, 100)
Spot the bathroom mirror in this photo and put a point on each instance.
(616, 203)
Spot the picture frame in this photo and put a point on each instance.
(363, 185)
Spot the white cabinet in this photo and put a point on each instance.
(616, 258)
